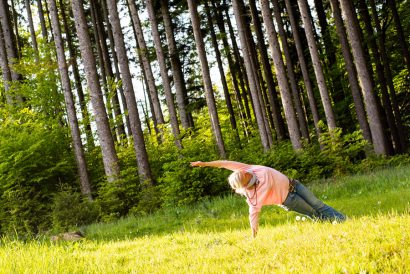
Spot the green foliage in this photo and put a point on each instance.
(35, 156)
(70, 209)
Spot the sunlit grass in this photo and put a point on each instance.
(214, 237)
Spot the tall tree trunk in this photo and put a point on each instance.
(303, 66)
(32, 30)
(314, 53)
(286, 96)
(257, 74)
(227, 96)
(176, 67)
(106, 66)
(240, 67)
(250, 74)
(232, 67)
(42, 20)
(390, 127)
(77, 79)
(164, 73)
(110, 158)
(378, 137)
(116, 67)
(336, 80)
(152, 89)
(70, 104)
(5, 70)
(267, 71)
(9, 38)
(351, 72)
(144, 169)
(401, 145)
(291, 74)
(402, 37)
(196, 25)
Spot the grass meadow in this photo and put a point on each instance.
(214, 237)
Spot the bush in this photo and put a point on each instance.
(70, 209)
(35, 157)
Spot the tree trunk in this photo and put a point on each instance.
(317, 66)
(42, 20)
(232, 67)
(144, 170)
(164, 73)
(77, 78)
(351, 72)
(291, 74)
(240, 68)
(176, 67)
(5, 70)
(206, 77)
(286, 96)
(303, 66)
(9, 39)
(227, 96)
(115, 62)
(106, 66)
(401, 145)
(250, 74)
(370, 101)
(32, 30)
(109, 155)
(70, 104)
(388, 118)
(401, 36)
(267, 71)
(152, 89)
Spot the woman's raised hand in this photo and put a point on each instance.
(197, 163)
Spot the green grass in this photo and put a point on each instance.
(214, 237)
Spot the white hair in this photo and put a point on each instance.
(239, 181)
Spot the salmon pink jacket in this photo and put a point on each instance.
(272, 189)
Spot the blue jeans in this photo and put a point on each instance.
(303, 201)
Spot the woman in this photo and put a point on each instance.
(266, 186)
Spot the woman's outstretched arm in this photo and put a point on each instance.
(231, 165)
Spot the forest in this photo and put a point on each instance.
(103, 104)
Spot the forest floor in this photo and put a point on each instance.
(214, 237)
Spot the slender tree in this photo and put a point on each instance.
(70, 104)
(196, 26)
(400, 33)
(5, 70)
(176, 67)
(164, 72)
(144, 169)
(370, 101)
(250, 74)
(351, 72)
(32, 30)
(267, 72)
(303, 66)
(143, 51)
(227, 96)
(73, 60)
(388, 116)
(110, 158)
(286, 96)
(314, 54)
(290, 73)
(42, 20)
